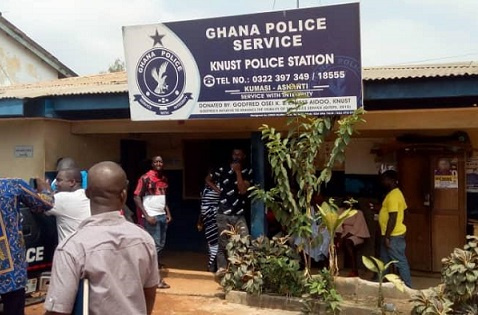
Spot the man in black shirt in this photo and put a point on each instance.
(231, 182)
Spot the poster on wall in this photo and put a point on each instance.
(471, 169)
(446, 173)
(247, 65)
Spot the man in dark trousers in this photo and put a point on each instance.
(231, 182)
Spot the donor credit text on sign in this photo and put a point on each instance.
(246, 66)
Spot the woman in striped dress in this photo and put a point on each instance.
(209, 206)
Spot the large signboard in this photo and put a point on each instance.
(246, 66)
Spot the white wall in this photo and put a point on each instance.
(19, 65)
(358, 156)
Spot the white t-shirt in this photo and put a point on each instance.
(70, 209)
(154, 204)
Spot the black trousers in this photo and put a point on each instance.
(14, 302)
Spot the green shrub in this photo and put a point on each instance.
(460, 272)
(296, 173)
(321, 287)
(459, 293)
(468, 308)
(433, 302)
(262, 266)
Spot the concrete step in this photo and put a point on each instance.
(187, 274)
(191, 283)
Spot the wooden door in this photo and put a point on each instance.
(414, 181)
(448, 213)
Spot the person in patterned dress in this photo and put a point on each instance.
(209, 207)
(14, 194)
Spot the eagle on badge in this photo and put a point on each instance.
(159, 75)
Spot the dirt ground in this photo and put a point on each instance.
(194, 291)
(191, 292)
(169, 304)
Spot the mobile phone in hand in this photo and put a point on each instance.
(33, 183)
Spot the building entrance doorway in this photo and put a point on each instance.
(433, 183)
(132, 160)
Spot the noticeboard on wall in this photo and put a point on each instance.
(247, 65)
(23, 151)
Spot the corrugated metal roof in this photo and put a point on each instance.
(95, 84)
(117, 82)
(420, 71)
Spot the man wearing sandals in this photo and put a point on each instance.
(150, 198)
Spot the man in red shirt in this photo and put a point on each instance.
(150, 197)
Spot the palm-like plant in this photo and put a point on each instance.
(331, 219)
(378, 266)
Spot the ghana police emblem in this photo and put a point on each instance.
(161, 79)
